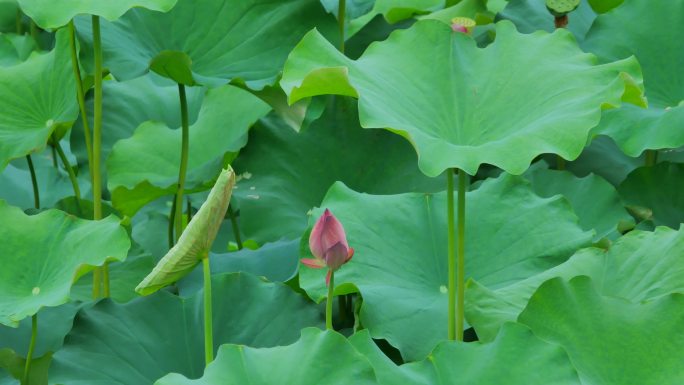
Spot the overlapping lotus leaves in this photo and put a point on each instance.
(123, 278)
(516, 357)
(317, 358)
(12, 368)
(49, 16)
(603, 6)
(195, 242)
(610, 340)
(532, 15)
(36, 99)
(652, 33)
(594, 200)
(14, 49)
(473, 9)
(145, 166)
(43, 254)
(604, 158)
(120, 343)
(456, 115)
(400, 243)
(659, 189)
(296, 170)
(211, 45)
(640, 266)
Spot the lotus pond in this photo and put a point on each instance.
(299, 192)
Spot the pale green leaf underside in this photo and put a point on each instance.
(454, 108)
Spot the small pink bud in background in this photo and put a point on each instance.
(459, 28)
(463, 25)
(328, 244)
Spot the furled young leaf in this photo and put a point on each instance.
(659, 189)
(195, 242)
(144, 167)
(610, 340)
(138, 342)
(399, 264)
(462, 106)
(640, 266)
(37, 97)
(211, 44)
(317, 358)
(43, 254)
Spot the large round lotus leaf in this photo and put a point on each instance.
(610, 340)
(213, 44)
(285, 174)
(657, 188)
(400, 259)
(516, 357)
(604, 158)
(532, 15)
(652, 32)
(276, 262)
(126, 105)
(459, 115)
(317, 358)
(138, 342)
(195, 242)
(594, 200)
(145, 166)
(36, 98)
(43, 254)
(48, 16)
(640, 266)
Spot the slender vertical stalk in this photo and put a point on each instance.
(172, 221)
(69, 170)
(208, 332)
(189, 209)
(236, 227)
(34, 182)
(80, 96)
(451, 255)
(651, 158)
(329, 302)
(97, 142)
(20, 22)
(341, 12)
(178, 219)
(32, 346)
(33, 28)
(460, 279)
(97, 282)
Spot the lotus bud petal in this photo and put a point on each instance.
(328, 244)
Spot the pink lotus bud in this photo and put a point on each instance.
(328, 244)
(459, 28)
(463, 25)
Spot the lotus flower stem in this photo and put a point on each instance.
(236, 228)
(32, 346)
(178, 217)
(651, 158)
(329, 302)
(20, 22)
(451, 255)
(80, 96)
(456, 254)
(69, 170)
(172, 221)
(208, 332)
(462, 185)
(341, 13)
(34, 182)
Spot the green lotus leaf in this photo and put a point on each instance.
(8, 16)
(640, 266)
(308, 163)
(123, 278)
(595, 201)
(13, 366)
(459, 117)
(317, 358)
(657, 188)
(531, 15)
(15, 49)
(610, 340)
(400, 269)
(195, 242)
(49, 16)
(220, 41)
(36, 99)
(516, 357)
(473, 9)
(145, 166)
(604, 158)
(45, 253)
(653, 37)
(112, 344)
(603, 6)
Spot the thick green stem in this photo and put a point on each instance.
(69, 170)
(34, 182)
(451, 255)
(97, 142)
(651, 158)
(178, 219)
(329, 302)
(236, 227)
(341, 12)
(35, 33)
(32, 346)
(208, 333)
(80, 97)
(460, 279)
